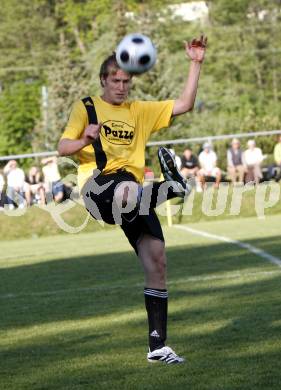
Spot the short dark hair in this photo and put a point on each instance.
(109, 63)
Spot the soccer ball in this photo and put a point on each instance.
(136, 53)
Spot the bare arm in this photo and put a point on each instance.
(196, 52)
(7, 167)
(67, 147)
(277, 153)
(46, 160)
(229, 159)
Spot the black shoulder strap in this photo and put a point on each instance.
(100, 155)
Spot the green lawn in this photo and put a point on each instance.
(72, 313)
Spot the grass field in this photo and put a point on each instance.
(72, 313)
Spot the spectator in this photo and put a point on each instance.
(34, 186)
(52, 178)
(189, 164)
(253, 158)
(15, 185)
(2, 184)
(235, 162)
(208, 163)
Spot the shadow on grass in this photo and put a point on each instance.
(244, 354)
(26, 291)
(108, 351)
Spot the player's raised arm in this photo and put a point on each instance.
(195, 50)
(67, 147)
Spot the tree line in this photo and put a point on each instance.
(60, 44)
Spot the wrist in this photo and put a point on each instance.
(197, 61)
(83, 143)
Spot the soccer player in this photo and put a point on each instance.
(109, 134)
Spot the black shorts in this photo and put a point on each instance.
(98, 197)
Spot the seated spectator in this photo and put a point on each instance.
(35, 190)
(15, 185)
(2, 196)
(253, 158)
(208, 163)
(235, 162)
(52, 178)
(189, 164)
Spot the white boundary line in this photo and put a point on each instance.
(253, 249)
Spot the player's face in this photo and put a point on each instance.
(116, 87)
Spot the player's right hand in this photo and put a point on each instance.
(91, 133)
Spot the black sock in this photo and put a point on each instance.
(156, 302)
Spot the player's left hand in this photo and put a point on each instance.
(195, 49)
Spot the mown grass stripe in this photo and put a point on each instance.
(194, 279)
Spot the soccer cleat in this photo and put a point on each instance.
(164, 355)
(171, 173)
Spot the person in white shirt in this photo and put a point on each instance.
(253, 158)
(52, 178)
(15, 185)
(208, 163)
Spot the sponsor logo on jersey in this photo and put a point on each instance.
(117, 132)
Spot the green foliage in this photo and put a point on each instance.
(27, 38)
(229, 12)
(62, 44)
(19, 109)
(66, 82)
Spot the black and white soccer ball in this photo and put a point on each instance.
(136, 53)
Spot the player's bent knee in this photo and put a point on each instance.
(159, 262)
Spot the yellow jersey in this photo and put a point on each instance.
(125, 131)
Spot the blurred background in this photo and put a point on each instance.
(71, 306)
(51, 53)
